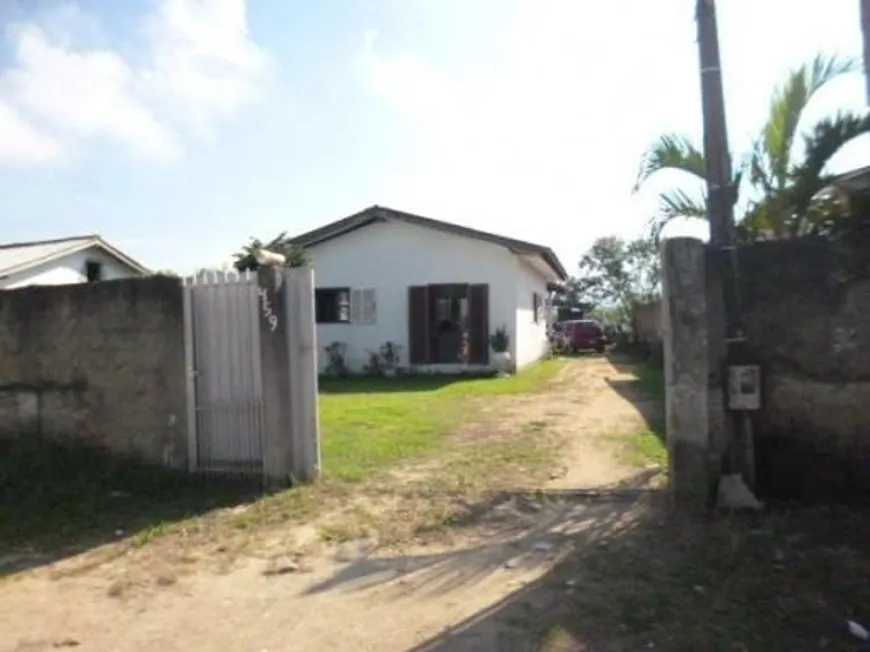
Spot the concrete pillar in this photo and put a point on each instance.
(274, 363)
(302, 345)
(716, 354)
(687, 371)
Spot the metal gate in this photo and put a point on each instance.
(223, 362)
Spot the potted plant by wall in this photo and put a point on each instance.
(500, 342)
(390, 357)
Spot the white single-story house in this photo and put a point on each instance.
(79, 259)
(436, 290)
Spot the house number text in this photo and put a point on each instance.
(266, 306)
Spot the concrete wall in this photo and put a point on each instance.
(531, 335)
(69, 269)
(388, 257)
(807, 317)
(102, 363)
(648, 323)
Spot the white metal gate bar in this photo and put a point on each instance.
(226, 416)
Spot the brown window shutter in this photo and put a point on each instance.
(478, 318)
(418, 324)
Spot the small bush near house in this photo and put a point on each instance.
(336, 364)
(391, 354)
(500, 340)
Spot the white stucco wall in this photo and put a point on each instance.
(390, 257)
(67, 270)
(531, 338)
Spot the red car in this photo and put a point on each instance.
(583, 335)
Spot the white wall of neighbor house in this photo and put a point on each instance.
(69, 269)
(531, 328)
(388, 257)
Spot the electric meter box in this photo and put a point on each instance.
(744, 387)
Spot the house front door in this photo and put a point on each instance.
(448, 326)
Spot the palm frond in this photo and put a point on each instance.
(827, 137)
(760, 174)
(762, 219)
(788, 104)
(295, 256)
(675, 204)
(670, 152)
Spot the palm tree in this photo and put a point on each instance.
(295, 255)
(781, 176)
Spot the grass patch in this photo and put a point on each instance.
(433, 502)
(649, 445)
(652, 380)
(57, 496)
(370, 423)
(56, 499)
(644, 448)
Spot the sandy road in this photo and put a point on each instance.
(352, 598)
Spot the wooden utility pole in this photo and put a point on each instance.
(721, 196)
(720, 187)
(865, 34)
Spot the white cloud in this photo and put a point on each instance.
(409, 85)
(21, 143)
(509, 144)
(200, 66)
(205, 65)
(84, 94)
(537, 128)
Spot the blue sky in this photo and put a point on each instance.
(179, 128)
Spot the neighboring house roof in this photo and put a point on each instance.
(21, 256)
(854, 181)
(381, 214)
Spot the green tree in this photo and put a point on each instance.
(779, 180)
(295, 255)
(618, 274)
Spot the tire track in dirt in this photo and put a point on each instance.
(354, 597)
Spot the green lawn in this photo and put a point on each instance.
(370, 423)
(649, 444)
(57, 497)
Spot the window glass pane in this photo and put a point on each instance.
(343, 306)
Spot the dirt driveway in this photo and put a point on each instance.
(447, 593)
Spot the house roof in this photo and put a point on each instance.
(380, 214)
(20, 256)
(857, 180)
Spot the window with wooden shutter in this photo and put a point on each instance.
(362, 307)
(369, 307)
(355, 306)
(331, 305)
(478, 323)
(418, 324)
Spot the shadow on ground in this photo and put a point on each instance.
(645, 389)
(56, 501)
(517, 528)
(621, 572)
(386, 385)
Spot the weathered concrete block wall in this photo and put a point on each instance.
(807, 317)
(102, 363)
(648, 322)
(686, 365)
